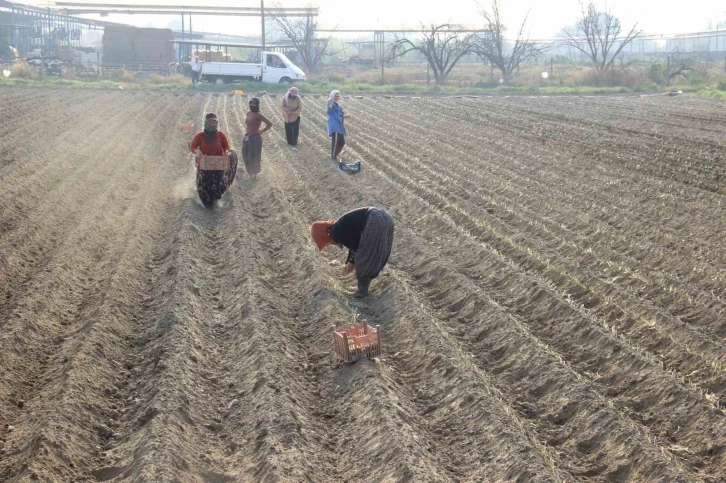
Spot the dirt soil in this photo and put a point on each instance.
(553, 309)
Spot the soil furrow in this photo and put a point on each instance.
(551, 310)
(75, 326)
(705, 411)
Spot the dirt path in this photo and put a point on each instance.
(536, 324)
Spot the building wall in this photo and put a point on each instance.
(137, 45)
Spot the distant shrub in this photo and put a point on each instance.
(22, 70)
(721, 85)
(646, 86)
(656, 74)
(157, 79)
(69, 73)
(610, 78)
(177, 79)
(336, 78)
(124, 76)
(397, 79)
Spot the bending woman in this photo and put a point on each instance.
(367, 233)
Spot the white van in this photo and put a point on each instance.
(274, 68)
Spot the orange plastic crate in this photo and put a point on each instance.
(187, 127)
(214, 163)
(357, 340)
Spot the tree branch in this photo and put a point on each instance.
(493, 47)
(440, 45)
(601, 34)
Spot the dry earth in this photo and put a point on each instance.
(553, 311)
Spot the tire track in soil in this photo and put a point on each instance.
(63, 108)
(663, 162)
(656, 343)
(417, 406)
(56, 371)
(533, 180)
(688, 314)
(365, 148)
(468, 196)
(211, 355)
(423, 433)
(71, 193)
(480, 121)
(653, 123)
(169, 392)
(551, 166)
(686, 411)
(44, 168)
(253, 378)
(317, 363)
(693, 352)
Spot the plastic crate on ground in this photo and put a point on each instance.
(354, 341)
(186, 127)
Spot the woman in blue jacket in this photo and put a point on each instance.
(336, 125)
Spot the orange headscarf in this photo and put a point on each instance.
(319, 232)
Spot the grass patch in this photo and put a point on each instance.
(22, 70)
(712, 93)
(324, 86)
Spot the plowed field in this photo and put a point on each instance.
(553, 309)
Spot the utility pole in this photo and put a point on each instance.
(380, 51)
(262, 12)
(68, 37)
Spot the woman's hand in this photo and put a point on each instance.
(348, 268)
(268, 124)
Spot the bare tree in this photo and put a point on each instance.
(599, 35)
(494, 47)
(442, 46)
(679, 65)
(302, 33)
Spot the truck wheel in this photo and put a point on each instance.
(285, 80)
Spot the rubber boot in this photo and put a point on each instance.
(363, 286)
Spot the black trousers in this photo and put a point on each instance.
(292, 131)
(337, 143)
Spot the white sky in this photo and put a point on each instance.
(546, 17)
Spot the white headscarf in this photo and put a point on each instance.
(332, 95)
(290, 91)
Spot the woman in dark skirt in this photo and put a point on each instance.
(212, 142)
(252, 145)
(367, 233)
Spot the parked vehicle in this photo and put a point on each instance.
(275, 68)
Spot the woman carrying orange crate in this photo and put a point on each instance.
(367, 233)
(211, 184)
